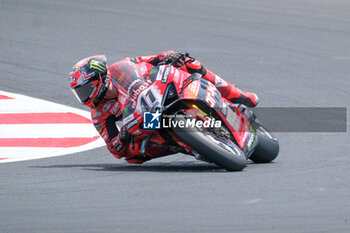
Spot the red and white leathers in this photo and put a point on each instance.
(106, 114)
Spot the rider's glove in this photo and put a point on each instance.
(176, 59)
(119, 142)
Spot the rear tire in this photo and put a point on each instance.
(268, 146)
(210, 148)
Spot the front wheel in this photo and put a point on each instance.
(268, 146)
(210, 146)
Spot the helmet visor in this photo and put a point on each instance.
(85, 91)
(100, 95)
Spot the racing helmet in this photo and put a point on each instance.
(89, 80)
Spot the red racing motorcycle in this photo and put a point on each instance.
(181, 113)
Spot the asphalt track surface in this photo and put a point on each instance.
(292, 53)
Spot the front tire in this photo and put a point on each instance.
(268, 146)
(210, 148)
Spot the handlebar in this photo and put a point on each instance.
(183, 57)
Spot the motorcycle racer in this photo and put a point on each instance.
(91, 80)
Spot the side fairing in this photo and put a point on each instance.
(204, 91)
(239, 126)
(235, 120)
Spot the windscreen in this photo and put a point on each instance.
(125, 75)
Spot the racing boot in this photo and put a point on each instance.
(236, 95)
(227, 90)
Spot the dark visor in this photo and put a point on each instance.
(85, 91)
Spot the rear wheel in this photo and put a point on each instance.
(268, 146)
(210, 146)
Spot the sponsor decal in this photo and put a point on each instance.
(166, 74)
(106, 106)
(128, 118)
(97, 65)
(136, 92)
(114, 141)
(211, 93)
(189, 81)
(133, 84)
(115, 109)
(131, 124)
(160, 73)
(119, 147)
(148, 100)
(194, 87)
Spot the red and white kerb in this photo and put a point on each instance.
(31, 128)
